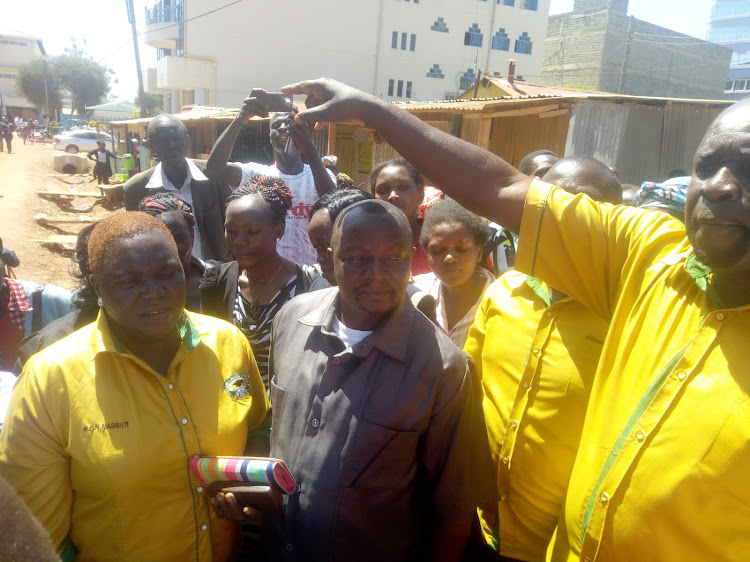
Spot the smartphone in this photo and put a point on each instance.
(276, 101)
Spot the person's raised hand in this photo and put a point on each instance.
(226, 506)
(328, 101)
(252, 106)
(300, 133)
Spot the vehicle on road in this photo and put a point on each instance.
(79, 140)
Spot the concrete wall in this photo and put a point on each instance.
(600, 47)
(15, 52)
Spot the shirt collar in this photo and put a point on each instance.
(105, 339)
(703, 277)
(389, 337)
(540, 289)
(157, 178)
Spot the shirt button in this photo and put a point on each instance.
(506, 460)
(298, 488)
(170, 386)
(587, 559)
(184, 421)
(199, 489)
(720, 316)
(289, 547)
(204, 527)
(549, 314)
(681, 375)
(535, 350)
(513, 424)
(526, 384)
(336, 361)
(640, 436)
(604, 498)
(503, 497)
(315, 423)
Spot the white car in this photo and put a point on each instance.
(79, 140)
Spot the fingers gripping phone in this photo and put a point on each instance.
(275, 101)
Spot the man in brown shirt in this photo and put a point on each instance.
(376, 412)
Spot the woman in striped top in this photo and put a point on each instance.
(250, 290)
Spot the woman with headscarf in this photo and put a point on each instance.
(177, 215)
(102, 425)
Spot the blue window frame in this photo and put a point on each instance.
(529, 4)
(523, 44)
(467, 79)
(473, 37)
(391, 83)
(413, 42)
(501, 41)
(507, 2)
(403, 41)
(435, 72)
(400, 89)
(439, 25)
(394, 40)
(408, 88)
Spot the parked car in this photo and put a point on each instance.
(78, 140)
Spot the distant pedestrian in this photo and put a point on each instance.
(7, 131)
(102, 168)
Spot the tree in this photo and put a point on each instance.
(30, 82)
(152, 103)
(83, 78)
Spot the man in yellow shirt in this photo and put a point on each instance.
(661, 471)
(537, 350)
(102, 425)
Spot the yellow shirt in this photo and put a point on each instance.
(537, 361)
(664, 458)
(98, 444)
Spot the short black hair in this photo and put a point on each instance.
(164, 202)
(448, 211)
(399, 162)
(374, 206)
(525, 166)
(336, 201)
(273, 190)
(84, 295)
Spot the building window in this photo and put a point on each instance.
(740, 58)
(501, 41)
(400, 89)
(467, 79)
(394, 40)
(435, 72)
(403, 41)
(739, 84)
(161, 53)
(529, 4)
(408, 89)
(728, 85)
(734, 9)
(523, 44)
(507, 2)
(439, 25)
(473, 37)
(390, 87)
(413, 42)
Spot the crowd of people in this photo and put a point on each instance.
(457, 361)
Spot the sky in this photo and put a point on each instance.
(105, 28)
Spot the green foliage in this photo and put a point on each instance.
(75, 73)
(151, 103)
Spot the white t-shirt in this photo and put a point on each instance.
(349, 336)
(295, 245)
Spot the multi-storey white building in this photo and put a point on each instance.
(395, 49)
(16, 49)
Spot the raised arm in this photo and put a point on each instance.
(218, 165)
(324, 183)
(476, 178)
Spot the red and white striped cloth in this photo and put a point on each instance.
(19, 303)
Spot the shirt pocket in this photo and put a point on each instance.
(380, 456)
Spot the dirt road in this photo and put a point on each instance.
(24, 172)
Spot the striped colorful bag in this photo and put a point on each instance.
(252, 470)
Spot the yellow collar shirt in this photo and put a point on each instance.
(664, 457)
(537, 360)
(98, 444)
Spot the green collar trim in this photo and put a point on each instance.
(189, 332)
(538, 287)
(702, 274)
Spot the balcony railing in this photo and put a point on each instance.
(165, 12)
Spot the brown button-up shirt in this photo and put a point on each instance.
(384, 439)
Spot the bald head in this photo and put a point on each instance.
(168, 141)
(366, 211)
(165, 120)
(581, 174)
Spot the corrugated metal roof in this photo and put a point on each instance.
(203, 112)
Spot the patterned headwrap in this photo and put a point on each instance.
(670, 193)
(151, 203)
